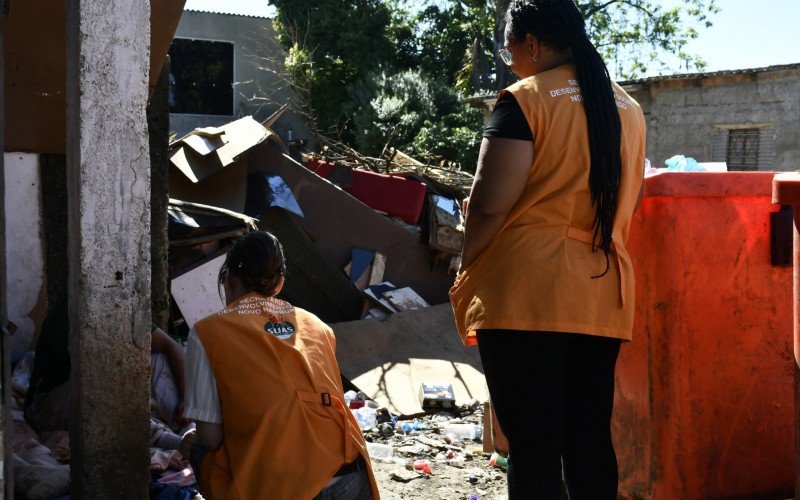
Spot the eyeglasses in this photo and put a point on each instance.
(505, 55)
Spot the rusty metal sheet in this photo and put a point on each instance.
(35, 53)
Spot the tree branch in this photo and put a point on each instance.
(597, 9)
(630, 3)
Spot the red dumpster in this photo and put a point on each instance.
(704, 403)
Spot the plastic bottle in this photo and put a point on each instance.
(456, 461)
(378, 451)
(465, 431)
(407, 427)
(498, 461)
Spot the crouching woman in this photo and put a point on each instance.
(265, 391)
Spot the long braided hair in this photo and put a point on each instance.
(560, 25)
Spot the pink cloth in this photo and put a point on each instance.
(163, 460)
(184, 477)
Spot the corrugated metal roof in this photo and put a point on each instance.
(690, 76)
(250, 8)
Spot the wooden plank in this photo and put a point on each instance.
(378, 269)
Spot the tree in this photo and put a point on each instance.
(447, 31)
(343, 57)
(333, 43)
(414, 113)
(633, 35)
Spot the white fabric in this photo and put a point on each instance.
(202, 397)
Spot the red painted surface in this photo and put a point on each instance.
(704, 403)
(786, 191)
(396, 196)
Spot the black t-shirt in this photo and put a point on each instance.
(507, 120)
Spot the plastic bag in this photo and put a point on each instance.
(680, 163)
(21, 377)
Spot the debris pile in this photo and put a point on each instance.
(414, 455)
(372, 247)
(362, 240)
(42, 459)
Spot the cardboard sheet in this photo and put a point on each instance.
(196, 292)
(389, 358)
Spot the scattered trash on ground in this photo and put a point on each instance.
(420, 456)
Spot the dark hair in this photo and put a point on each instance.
(256, 259)
(560, 25)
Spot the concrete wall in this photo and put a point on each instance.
(27, 294)
(683, 115)
(256, 92)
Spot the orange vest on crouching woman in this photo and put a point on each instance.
(287, 430)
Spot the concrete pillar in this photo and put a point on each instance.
(108, 189)
(158, 127)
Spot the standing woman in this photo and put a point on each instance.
(547, 289)
(265, 390)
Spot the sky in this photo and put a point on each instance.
(749, 34)
(746, 33)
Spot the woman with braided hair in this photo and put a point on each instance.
(546, 288)
(265, 390)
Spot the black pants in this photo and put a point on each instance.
(553, 395)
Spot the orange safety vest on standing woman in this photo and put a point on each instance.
(286, 428)
(536, 274)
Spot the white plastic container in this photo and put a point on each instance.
(465, 431)
(379, 451)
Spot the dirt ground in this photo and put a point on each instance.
(447, 482)
(397, 479)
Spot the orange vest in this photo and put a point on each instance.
(536, 274)
(286, 428)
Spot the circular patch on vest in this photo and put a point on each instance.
(282, 330)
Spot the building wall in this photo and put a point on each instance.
(25, 278)
(256, 92)
(687, 116)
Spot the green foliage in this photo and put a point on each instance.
(392, 71)
(402, 33)
(455, 136)
(415, 113)
(448, 30)
(390, 108)
(333, 43)
(635, 36)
